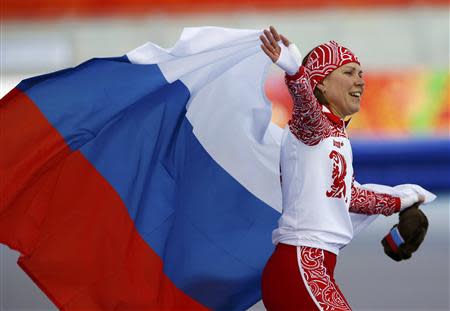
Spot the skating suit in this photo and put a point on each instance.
(319, 192)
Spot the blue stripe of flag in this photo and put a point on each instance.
(396, 236)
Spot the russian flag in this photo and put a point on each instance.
(148, 181)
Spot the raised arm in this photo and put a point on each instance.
(308, 123)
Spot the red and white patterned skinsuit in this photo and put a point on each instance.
(318, 194)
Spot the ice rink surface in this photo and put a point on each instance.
(368, 278)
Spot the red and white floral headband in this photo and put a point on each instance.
(325, 58)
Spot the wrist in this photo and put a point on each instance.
(289, 59)
(408, 200)
(300, 72)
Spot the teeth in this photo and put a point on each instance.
(356, 94)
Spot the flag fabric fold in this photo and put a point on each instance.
(148, 181)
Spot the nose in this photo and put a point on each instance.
(359, 81)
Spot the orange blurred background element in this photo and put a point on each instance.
(403, 103)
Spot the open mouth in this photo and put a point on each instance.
(355, 94)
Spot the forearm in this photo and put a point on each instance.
(298, 83)
(308, 123)
(305, 103)
(371, 203)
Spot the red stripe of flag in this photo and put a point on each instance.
(391, 243)
(77, 240)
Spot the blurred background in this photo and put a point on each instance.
(401, 134)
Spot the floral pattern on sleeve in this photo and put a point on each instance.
(371, 203)
(308, 123)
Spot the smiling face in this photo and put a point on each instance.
(343, 89)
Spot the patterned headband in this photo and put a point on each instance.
(325, 58)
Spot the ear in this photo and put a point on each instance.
(321, 87)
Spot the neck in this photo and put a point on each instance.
(335, 112)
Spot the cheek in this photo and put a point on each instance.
(343, 91)
(337, 96)
(346, 87)
(338, 90)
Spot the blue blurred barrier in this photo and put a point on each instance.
(423, 161)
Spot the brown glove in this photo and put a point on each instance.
(406, 237)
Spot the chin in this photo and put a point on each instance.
(352, 112)
(355, 109)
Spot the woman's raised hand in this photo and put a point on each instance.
(270, 45)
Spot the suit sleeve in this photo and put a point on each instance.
(308, 123)
(369, 202)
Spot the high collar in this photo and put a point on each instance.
(334, 118)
